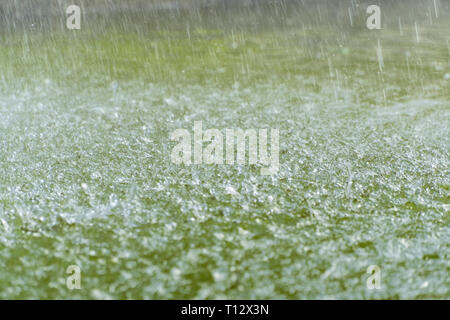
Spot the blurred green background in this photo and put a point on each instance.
(85, 171)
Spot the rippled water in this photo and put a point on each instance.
(86, 177)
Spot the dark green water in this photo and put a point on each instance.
(86, 177)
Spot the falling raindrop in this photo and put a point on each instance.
(435, 9)
(400, 25)
(380, 56)
(416, 27)
(350, 15)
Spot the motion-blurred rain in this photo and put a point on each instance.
(85, 171)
